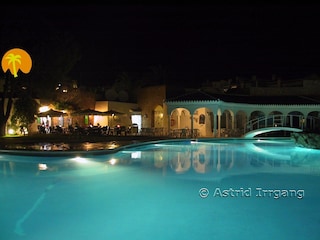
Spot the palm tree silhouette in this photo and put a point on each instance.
(12, 60)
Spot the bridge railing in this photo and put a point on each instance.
(293, 121)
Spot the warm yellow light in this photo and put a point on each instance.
(44, 108)
(113, 145)
(11, 131)
(88, 146)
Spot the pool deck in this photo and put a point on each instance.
(21, 145)
(58, 138)
(58, 145)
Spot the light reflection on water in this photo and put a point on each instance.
(147, 189)
(211, 159)
(60, 147)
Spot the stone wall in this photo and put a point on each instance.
(307, 140)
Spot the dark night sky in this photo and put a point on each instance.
(193, 42)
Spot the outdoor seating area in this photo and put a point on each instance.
(119, 131)
(51, 129)
(184, 133)
(152, 132)
(90, 130)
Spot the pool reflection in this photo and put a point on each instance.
(234, 158)
(198, 158)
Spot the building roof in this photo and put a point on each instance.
(195, 95)
(200, 95)
(288, 100)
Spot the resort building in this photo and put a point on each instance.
(198, 113)
(219, 111)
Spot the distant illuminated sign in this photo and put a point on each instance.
(16, 59)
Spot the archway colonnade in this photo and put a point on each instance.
(216, 118)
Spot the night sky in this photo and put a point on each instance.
(193, 42)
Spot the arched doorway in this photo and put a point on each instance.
(295, 119)
(203, 121)
(313, 121)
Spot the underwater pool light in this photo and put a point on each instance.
(80, 160)
(113, 161)
(42, 166)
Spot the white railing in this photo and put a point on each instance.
(292, 121)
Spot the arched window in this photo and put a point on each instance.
(202, 119)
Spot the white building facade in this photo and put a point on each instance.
(213, 117)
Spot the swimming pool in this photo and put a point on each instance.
(181, 189)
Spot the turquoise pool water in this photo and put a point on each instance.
(219, 189)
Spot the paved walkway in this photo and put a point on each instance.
(69, 142)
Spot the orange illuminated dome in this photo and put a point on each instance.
(16, 59)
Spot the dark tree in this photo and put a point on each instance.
(6, 103)
(25, 109)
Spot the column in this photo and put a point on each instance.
(219, 125)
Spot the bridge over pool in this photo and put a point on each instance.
(289, 123)
(259, 131)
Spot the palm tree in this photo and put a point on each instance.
(12, 60)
